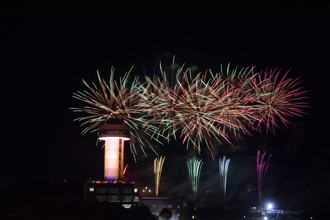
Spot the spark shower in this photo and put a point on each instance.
(199, 108)
(194, 170)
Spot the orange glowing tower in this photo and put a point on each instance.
(113, 189)
(114, 134)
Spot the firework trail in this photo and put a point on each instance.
(194, 170)
(223, 172)
(158, 166)
(262, 167)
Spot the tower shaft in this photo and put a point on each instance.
(113, 158)
(114, 136)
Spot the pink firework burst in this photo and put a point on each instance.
(276, 99)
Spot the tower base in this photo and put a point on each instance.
(122, 193)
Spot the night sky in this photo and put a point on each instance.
(46, 49)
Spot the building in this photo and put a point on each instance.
(125, 194)
(112, 189)
(178, 205)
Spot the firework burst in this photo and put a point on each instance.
(206, 106)
(197, 107)
(200, 108)
(156, 101)
(116, 100)
(276, 99)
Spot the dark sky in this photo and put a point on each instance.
(46, 49)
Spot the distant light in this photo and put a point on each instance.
(269, 206)
(126, 206)
(265, 218)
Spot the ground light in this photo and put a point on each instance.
(269, 206)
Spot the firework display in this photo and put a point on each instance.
(115, 100)
(158, 167)
(223, 172)
(199, 108)
(194, 170)
(262, 167)
(276, 99)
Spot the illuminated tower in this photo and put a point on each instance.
(114, 134)
(113, 189)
